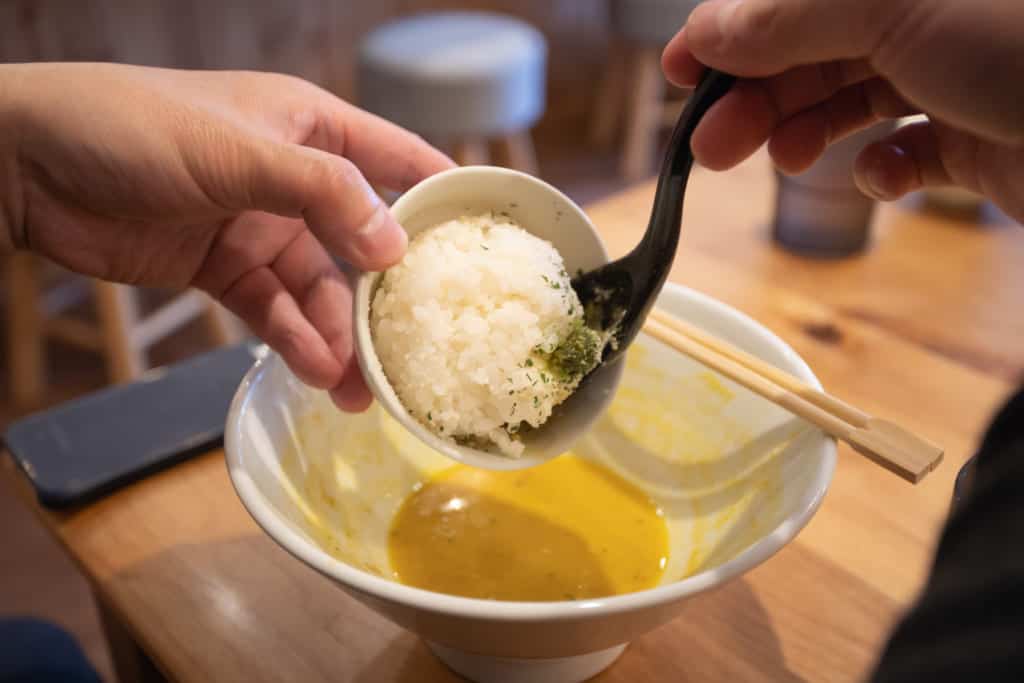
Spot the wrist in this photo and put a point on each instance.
(12, 112)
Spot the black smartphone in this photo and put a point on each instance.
(86, 448)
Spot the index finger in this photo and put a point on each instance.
(387, 154)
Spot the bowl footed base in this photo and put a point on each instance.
(486, 669)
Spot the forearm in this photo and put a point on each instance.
(12, 113)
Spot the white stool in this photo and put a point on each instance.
(631, 95)
(460, 79)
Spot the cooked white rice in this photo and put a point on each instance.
(463, 324)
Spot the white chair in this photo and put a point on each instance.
(463, 80)
(631, 97)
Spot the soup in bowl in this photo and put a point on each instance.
(542, 574)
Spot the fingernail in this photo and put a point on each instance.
(381, 241)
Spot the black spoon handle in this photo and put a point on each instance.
(662, 235)
(624, 290)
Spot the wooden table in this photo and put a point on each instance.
(925, 329)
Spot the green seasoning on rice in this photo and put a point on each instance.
(577, 354)
(479, 330)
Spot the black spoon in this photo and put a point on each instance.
(618, 295)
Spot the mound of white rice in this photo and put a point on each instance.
(467, 325)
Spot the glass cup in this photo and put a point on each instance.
(821, 212)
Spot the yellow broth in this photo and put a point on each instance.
(567, 530)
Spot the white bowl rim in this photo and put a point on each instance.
(385, 589)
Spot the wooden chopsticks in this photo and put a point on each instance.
(884, 442)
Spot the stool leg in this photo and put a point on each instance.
(611, 94)
(471, 152)
(25, 339)
(518, 149)
(223, 327)
(643, 116)
(118, 310)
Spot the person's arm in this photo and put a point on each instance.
(246, 185)
(817, 71)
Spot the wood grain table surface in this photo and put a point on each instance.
(924, 328)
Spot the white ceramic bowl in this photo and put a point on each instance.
(736, 476)
(547, 213)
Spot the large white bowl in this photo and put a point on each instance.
(736, 476)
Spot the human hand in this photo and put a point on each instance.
(817, 71)
(242, 184)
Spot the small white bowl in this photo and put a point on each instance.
(737, 483)
(545, 212)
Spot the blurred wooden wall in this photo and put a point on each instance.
(315, 39)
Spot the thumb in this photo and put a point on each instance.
(329, 193)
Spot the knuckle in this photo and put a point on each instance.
(304, 123)
(323, 279)
(340, 174)
(289, 82)
(287, 341)
(755, 20)
(895, 30)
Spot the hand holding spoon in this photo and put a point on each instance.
(633, 282)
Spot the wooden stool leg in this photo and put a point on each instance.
(643, 116)
(517, 148)
(119, 313)
(25, 339)
(611, 95)
(471, 152)
(223, 327)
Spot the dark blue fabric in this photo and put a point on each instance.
(34, 651)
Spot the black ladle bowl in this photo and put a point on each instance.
(618, 296)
